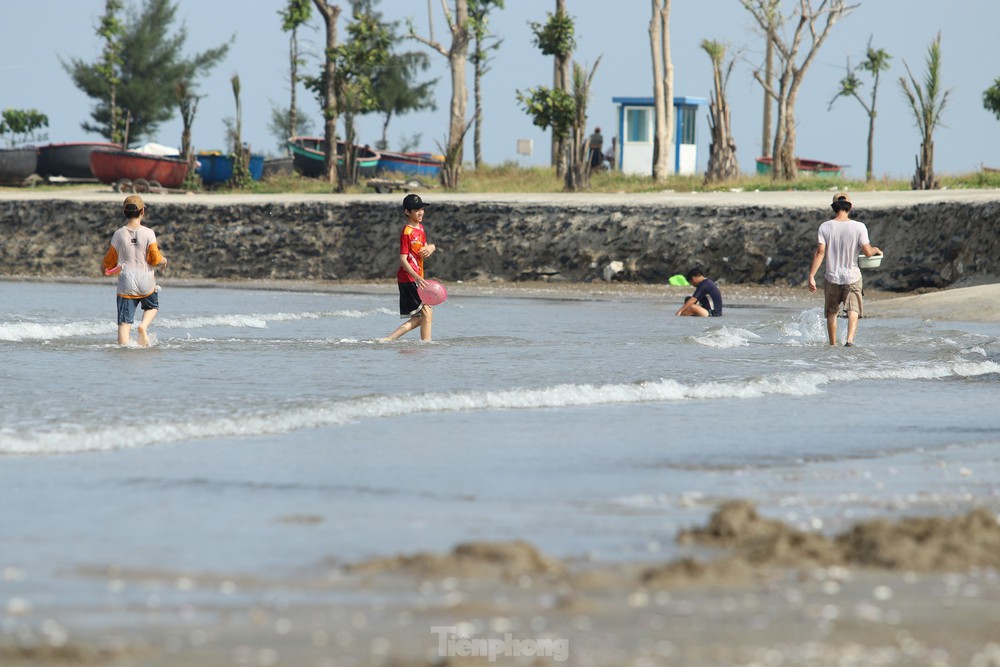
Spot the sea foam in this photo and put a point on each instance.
(34, 331)
(253, 421)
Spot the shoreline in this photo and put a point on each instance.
(977, 303)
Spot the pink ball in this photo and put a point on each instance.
(434, 294)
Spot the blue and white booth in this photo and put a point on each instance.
(637, 132)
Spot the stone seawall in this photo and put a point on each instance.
(928, 245)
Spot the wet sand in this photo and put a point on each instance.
(753, 592)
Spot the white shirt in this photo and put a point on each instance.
(843, 240)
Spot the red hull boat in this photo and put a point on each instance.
(115, 167)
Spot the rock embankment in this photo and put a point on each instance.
(928, 245)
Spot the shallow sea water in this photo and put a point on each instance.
(270, 431)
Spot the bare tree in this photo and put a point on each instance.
(663, 88)
(330, 14)
(813, 22)
(722, 164)
(927, 103)
(457, 55)
(876, 61)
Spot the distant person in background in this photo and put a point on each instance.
(134, 253)
(596, 147)
(413, 250)
(841, 240)
(706, 300)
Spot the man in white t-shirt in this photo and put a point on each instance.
(841, 240)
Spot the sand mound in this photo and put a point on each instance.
(911, 544)
(925, 544)
(509, 560)
(757, 548)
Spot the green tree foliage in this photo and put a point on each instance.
(151, 66)
(991, 98)
(549, 109)
(556, 37)
(876, 61)
(22, 125)
(398, 92)
(927, 101)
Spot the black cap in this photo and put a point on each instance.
(412, 202)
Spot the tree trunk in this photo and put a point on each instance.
(457, 57)
(348, 165)
(561, 81)
(869, 167)
(777, 154)
(477, 147)
(330, 14)
(765, 136)
(924, 178)
(663, 89)
(293, 53)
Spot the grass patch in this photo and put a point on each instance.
(513, 178)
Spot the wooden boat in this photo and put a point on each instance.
(425, 165)
(806, 167)
(16, 164)
(216, 168)
(309, 156)
(116, 167)
(70, 160)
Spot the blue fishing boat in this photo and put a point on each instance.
(424, 165)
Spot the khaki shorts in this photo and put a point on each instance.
(849, 295)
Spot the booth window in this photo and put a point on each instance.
(687, 124)
(637, 121)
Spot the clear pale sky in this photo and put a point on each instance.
(36, 34)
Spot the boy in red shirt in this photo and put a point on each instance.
(413, 250)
